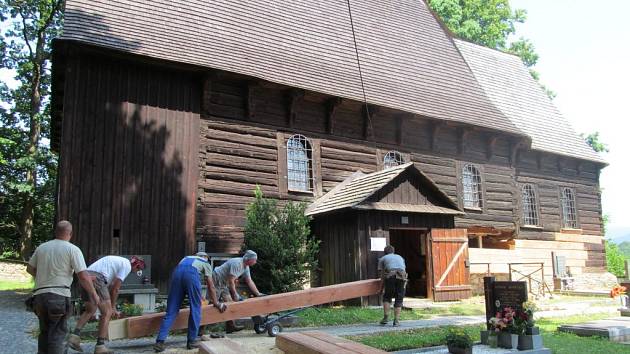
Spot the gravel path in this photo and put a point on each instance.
(16, 324)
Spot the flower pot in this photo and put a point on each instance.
(493, 340)
(508, 340)
(532, 330)
(457, 350)
(484, 337)
(529, 342)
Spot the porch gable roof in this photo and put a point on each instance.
(355, 192)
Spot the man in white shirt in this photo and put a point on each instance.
(52, 265)
(108, 274)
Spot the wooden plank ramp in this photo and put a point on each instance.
(316, 342)
(147, 325)
(221, 346)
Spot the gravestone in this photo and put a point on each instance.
(508, 294)
(502, 294)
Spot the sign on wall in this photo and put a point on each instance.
(377, 243)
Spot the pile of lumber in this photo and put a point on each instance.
(316, 342)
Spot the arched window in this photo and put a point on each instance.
(567, 202)
(393, 159)
(471, 181)
(299, 164)
(530, 205)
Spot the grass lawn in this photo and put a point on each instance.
(335, 316)
(16, 285)
(559, 343)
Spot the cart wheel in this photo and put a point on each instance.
(273, 329)
(260, 328)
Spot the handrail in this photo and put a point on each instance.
(542, 285)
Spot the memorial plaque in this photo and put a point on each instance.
(508, 294)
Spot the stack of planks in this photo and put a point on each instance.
(147, 325)
(316, 342)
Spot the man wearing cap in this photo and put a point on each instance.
(107, 274)
(186, 281)
(225, 277)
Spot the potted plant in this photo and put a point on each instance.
(508, 335)
(497, 325)
(459, 342)
(529, 335)
(620, 291)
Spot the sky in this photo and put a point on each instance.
(584, 50)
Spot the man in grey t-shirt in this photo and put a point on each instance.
(392, 270)
(53, 264)
(225, 276)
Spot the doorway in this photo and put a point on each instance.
(412, 246)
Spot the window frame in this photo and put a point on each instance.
(397, 156)
(481, 189)
(310, 158)
(576, 222)
(536, 206)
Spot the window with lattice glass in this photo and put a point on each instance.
(299, 164)
(530, 205)
(393, 159)
(471, 183)
(569, 214)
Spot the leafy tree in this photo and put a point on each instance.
(489, 23)
(593, 141)
(624, 249)
(282, 238)
(28, 168)
(614, 259)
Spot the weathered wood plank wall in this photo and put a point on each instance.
(128, 159)
(244, 130)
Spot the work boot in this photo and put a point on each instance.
(102, 349)
(384, 320)
(74, 342)
(159, 347)
(231, 327)
(396, 322)
(193, 344)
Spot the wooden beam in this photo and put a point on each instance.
(515, 145)
(250, 105)
(462, 137)
(434, 131)
(491, 143)
(333, 105)
(295, 97)
(560, 164)
(149, 324)
(539, 160)
(369, 114)
(207, 94)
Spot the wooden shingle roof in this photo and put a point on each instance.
(408, 62)
(354, 193)
(511, 88)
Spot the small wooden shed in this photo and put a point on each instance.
(400, 206)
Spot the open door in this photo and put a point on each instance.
(450, 279)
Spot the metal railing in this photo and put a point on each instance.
(535, 279)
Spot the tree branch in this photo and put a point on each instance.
(25, 35)
(53, 11)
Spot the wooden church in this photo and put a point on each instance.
(168, 113)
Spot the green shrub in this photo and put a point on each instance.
(130, 310)
(282, 238)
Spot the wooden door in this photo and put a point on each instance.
(450, 268)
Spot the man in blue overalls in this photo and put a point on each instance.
(186, 281)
